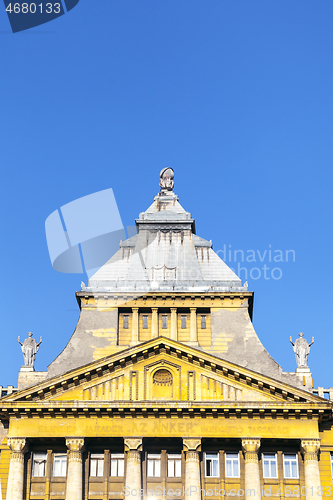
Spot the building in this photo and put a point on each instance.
(164, 391)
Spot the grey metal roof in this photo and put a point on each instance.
(165, 255)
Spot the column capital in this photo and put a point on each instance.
(17, 445)
(133, 444)
(173, 309)
(193, 309)
(135, 309)
(251, 447)
(192, 444)
(310, 449)
(76, 448)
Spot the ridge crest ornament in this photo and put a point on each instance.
(166, 181)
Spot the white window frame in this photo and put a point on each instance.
(183, 321)
(126, 321)
(99, 459)
(203, 321)
(216, 458)
(145, 321)
(234, 457)
(57, 456)
(271, 457)
(154, 458)
(173, 460)
(39, 458)
(119, 460)
(164, 321)
(290, 460)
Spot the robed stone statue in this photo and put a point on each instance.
(301, 349)
(29, 348)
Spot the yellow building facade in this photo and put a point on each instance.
(164, 391)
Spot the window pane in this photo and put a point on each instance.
(215, 468)
(266, 468)
(203, 322)
(150, 468)
(157, 468)
(183, 321)
(145, 321)
(208, 468)
(171, 468)
(39, 464)
(164, 321)
(178, 468)
(125, 321)
(228, 468)
(236, 468)
(287, 472)
(93, 468)
(59, 465)
(273, 468)
(114, 468)
(121, 467)
(294, 471)
(100, 468)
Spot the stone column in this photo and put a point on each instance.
(74, 470)
(193, 326)
(133, 483)
(192, 468)
(135, 326)
(252, 477)
(310, 449)
(154, 322)
(18, 447)
(174, 333)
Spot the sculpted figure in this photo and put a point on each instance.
(166, 180)
(301, 349)
(29, 349)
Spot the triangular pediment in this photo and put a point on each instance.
(163, 370)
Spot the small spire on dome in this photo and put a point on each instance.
(166, 181)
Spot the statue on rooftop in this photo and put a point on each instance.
(29, 348)
(301, 349)
(166, 181)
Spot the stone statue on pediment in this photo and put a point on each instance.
(301, 348)
(166, 181)
(29, 348)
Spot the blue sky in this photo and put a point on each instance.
(235, 95)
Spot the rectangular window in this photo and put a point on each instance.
(126, 322)
(117, 464)
(232, 465)
(145, 322)
(203, 322)
(212, 464)
(59, 464)
(184, 321)
(290, 466)
(96, 465)
(164, 321)
(269, 465)
(332, 464)
(153, 465)
(174, 465)
(39, 465)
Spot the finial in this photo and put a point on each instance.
(166, 181)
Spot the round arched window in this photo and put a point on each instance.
(162, 377)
